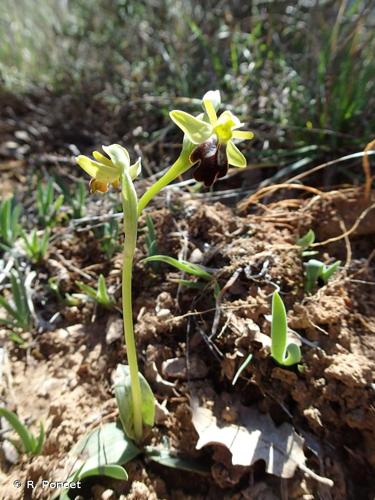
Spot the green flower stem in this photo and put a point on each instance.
(180, 166)
(129, 202)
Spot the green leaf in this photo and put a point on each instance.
(106, 445)
(196, 130)
(88, 290)
(26, 437)
(102, 294)
(242, 368)
(58, 202)
(192, 284)
(284, 354)
(279, 328)
(113, 471)
(182, 265)
(122, 387)
(328, 271)
(307, 239)
(314, 269)
(164, 456)
(10, 310)
(40, 440)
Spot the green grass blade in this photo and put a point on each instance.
(330, 270)
(20, 429)
(88, 290)
(242, 368)
(102, 295)
(181, 265)
(40, 440)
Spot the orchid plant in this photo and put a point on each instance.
(208, 147)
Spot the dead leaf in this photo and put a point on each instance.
(254, 438)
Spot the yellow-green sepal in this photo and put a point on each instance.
(118, 155)
(196, 130)
(234, 156)
(99, 171)
(135, 169)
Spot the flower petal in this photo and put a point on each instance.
(229, 119)
(214, 97)
(234, 155)
(135, 169)
(209, 108)
(119, 156)
(102, 159)
(197, 130)
(99, 171)
(243, 134)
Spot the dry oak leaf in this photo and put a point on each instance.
(254, 438)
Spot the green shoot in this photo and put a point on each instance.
(181, 265)
(285, 354)
(242, 368)
(188, 267)
(100, 295)
(76, 199)
(307, 239)
(101, 452)
(305, 242)
(31, 444)
(47, 206)
(315, 270)
(35, 247)
(9, 222)
(19, 314)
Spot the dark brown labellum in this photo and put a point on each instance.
(211, 161)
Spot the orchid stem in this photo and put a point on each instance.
(180, 166)
(129, 199)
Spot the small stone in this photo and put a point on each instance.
(163, 313)
(114, 329)
(22, 135)
(10, 452)
(196, 256)
(49, 387)
(108, 495)
(176, 368)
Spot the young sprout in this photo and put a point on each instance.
(19, 313)
(315, 270)
(189, 268)
(31, 444)
(9, 223)
(282, 352)
(307, 239)
(35, 246)
(100, 295)
(47, 206)
(305, 242)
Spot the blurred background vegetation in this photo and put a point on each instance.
(301, 73)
